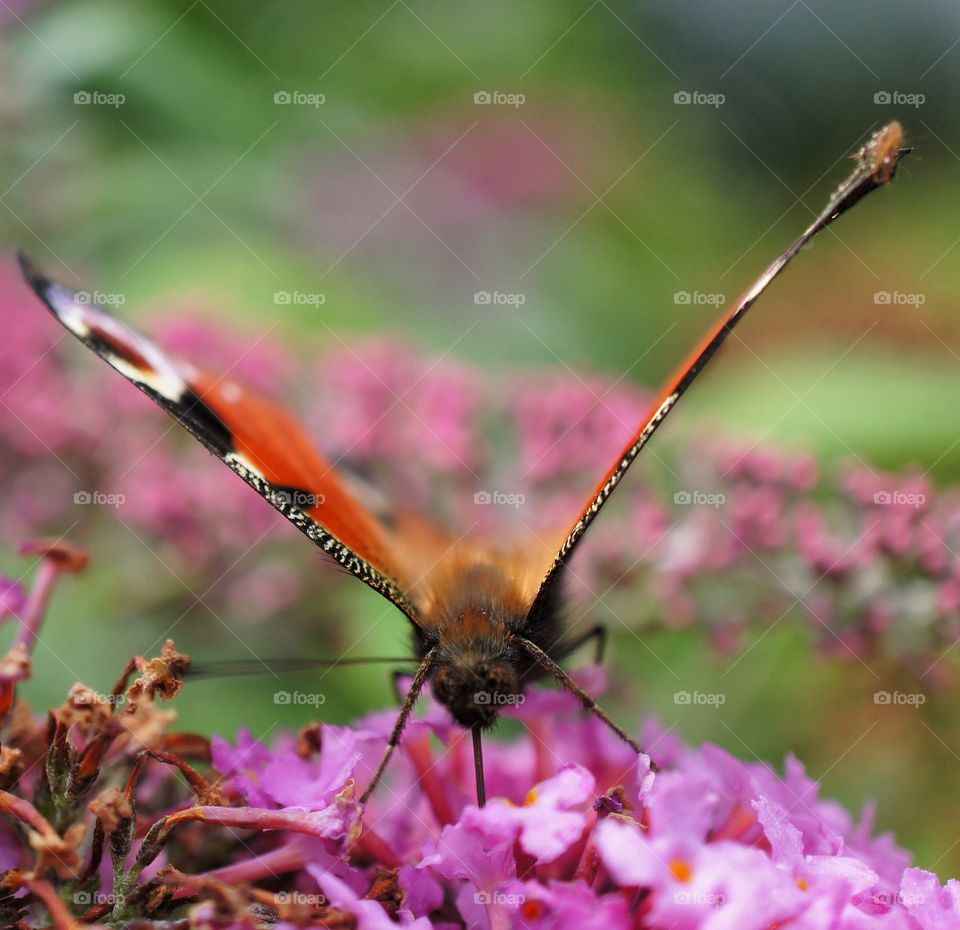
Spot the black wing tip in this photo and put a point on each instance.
(51, 292)
(39, 283)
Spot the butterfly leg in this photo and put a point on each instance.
(419, 680)
(401, 693)
(597, 634)
(552, 668)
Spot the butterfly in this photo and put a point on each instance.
(486, 616)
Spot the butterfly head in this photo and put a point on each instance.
(476, 688)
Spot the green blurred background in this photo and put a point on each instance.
(598, 198)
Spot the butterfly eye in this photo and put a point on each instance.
(501, 681)
(442, 686)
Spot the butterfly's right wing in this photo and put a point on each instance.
(876, 165)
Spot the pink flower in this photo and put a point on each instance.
(553, 817)
(787, 851)
(935, 907)
(369, 914)
(282, 777)
(722, 884)
(564, 906)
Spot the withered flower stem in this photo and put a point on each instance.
(56, 558)
(124, 678)
(240, 818)
(207, 794)
(289, 857)
(26, 813)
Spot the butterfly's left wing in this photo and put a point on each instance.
(254, 436)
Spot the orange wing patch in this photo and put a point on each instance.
(269, 441)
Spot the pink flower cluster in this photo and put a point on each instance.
(579, 833)
(867, 559)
